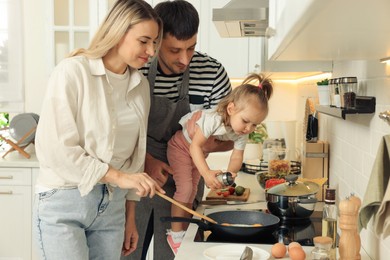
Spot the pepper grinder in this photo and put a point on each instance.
(349, 245)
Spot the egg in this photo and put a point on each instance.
(278, 250)
(294, 244)
(297, 253)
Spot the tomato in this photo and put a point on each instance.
(226, 193)
(272, 182)
(219, 192)
(232, 190)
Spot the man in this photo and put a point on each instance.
(181, 80)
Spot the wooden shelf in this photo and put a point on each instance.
(364, 105)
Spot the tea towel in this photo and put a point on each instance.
(377, 195)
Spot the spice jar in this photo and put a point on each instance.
(322, 248)
(225, 178)
(336, 96)
(331, 92)
(348, 89)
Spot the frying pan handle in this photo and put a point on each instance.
(199, 222)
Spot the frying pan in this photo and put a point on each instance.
(242, 223)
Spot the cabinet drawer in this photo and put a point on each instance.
(15, 176)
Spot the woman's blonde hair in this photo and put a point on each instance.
(254, 86)
(121, 18)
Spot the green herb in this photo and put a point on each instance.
(259, 135)
(4, 120)
(323, 82)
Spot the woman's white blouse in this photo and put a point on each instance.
(76, 132)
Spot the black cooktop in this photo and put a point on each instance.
(299, 230)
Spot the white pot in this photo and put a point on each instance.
(253, 151)
(323, 95)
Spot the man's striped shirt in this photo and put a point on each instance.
(209, 82)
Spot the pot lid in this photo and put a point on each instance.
(292, 187)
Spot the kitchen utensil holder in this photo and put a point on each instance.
(385, 116)
(19, 146)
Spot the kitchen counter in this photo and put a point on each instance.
(15, 159)
(194, 250)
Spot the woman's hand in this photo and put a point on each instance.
(142, 182)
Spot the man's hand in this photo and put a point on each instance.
(131, 234)
(157, 170)
(214, 145)
(191, 123)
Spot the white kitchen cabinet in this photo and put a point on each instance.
(329, 30)
(244, 55)
(15, 213)
(233, 53)
(35, 172)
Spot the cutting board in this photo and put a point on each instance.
(212, 195)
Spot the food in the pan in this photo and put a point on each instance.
(278, 250)
(257, 225)
(242, 225)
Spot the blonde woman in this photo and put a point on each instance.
(235, 117)
(91, 141)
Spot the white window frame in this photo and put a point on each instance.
(12, 90)
(97, 11)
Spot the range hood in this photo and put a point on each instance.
(242, 18)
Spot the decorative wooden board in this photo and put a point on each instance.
(212, 195)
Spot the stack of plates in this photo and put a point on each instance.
(21, 124)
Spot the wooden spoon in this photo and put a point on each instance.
(185, 208)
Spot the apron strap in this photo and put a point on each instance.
(183, 89)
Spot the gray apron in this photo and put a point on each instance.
(165, 114)
(163, 123)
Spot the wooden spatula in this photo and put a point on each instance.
(185, 208)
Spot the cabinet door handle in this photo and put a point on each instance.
(9, 177)
(6, 192)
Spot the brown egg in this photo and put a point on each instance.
(293, 244)
(296, 253)
(278, 250)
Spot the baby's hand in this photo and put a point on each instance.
(210, 178)
(234, 174)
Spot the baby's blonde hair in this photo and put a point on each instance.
(254, 86)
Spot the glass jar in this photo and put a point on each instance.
(348, 90)
(322, 248)
(336, 96)
(331, 92)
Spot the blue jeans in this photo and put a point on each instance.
(68, 226)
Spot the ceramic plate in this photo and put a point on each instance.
(233, 252)
(35, 116)
(20, 125)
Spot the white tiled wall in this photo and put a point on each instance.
(354, 142)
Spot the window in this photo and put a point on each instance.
(11, 49)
